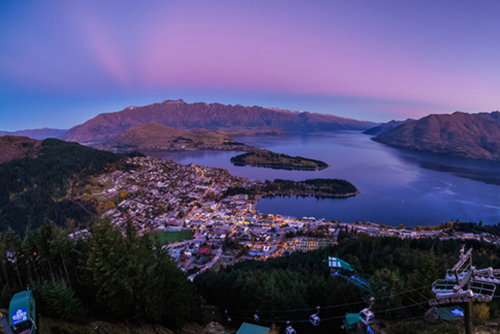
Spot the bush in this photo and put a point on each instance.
(58, 300)
(481, 312)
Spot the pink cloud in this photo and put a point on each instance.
(247, 47)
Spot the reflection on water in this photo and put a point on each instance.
(479, 170)
(397, 187)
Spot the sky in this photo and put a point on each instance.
(63, 62)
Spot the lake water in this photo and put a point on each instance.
(396, 187)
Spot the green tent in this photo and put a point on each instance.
(247, 328)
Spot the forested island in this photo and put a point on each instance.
(268, 159)
(323, 188)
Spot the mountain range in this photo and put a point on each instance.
(177, 125)
(39, 134)
(475, 136)
(223, 118)
(384, 127)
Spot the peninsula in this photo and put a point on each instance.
(151, 137)
(320, 188)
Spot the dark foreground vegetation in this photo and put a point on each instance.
(400, 271)
(32, 190)
(116, 277)
(268, 159)
(105, 275)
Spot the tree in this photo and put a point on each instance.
(58, 300)
(132, 279)
(107, 270)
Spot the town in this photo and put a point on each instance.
(163, 197)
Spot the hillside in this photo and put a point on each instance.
(214, 116)
(475, 136)
(384, 127)
(39, 134)
(12, 147)
(160, 137)
(35, 187)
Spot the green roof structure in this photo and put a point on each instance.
(247, 328)
(336, 263)
(351, 319)
(22, 311)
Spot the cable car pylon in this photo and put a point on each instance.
(465, 284)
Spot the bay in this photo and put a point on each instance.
(396, 187)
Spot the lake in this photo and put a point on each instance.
(396, 187)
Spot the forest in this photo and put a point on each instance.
(32, 190)
(113, 275)
(104, 274)
(400, 272)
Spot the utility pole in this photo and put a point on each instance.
(464, 284)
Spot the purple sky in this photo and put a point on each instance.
(62, 62)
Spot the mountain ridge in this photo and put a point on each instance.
(384, 127)
(39, 134)
(475, 136)
(215, 116)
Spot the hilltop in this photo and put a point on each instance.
(215, 116)
(12, 147)
(475, 136)
(38, 179)
(156, 136)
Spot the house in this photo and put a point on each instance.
(206, 250)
